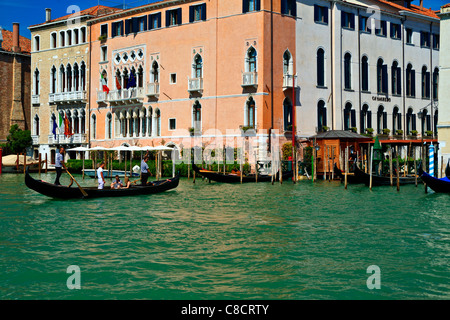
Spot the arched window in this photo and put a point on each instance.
(109, 126)
(410, 121)
(154, 72)
(287, 112)
(365, 74)
(118, 83)
(349, 117)
(83, 76)
(396, 120)
(158, 122)
(140, 77)
(287, 63)
(76, 77)
(382, 81)
(36, 125)
(83, 121)
(251, 60)
(320, 67)
(36, 82)
(76, 36)
(144, 121)
(69, 78)
(381, 119)
(425, 83)
(123, 124)
(62, 79)
(130, 123)
(410, 81)
(250, 114)
(53, 42)
(150, 121)
(436, 119)
(347, 71)
(396, 76)
(53, 80)
(76, 122)
(93, 127)
(435, 83)
(197, 116)
(37, 43)
(197, 67)
(426, 122)
(321, 115)
(136, 122)
(62, 39)
(125, 79)
(366, 118)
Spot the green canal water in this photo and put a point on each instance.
(220, 241)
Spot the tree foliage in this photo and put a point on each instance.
(18, 139)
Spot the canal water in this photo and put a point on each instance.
(221, 241)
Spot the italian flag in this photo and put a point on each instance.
(61, 123)
(105, 87)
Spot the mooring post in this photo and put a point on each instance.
(390, 166)
(398, 169)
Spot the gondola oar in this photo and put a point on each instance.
(79, 187)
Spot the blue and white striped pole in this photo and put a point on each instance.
(431, 160)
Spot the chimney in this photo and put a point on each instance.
(15, 43)
(421, 4)
(48, 14)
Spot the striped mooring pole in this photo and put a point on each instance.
(431, 160)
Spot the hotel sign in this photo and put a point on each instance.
(383, 99)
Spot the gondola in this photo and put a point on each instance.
(92, 173)
(381, 180)
(441, 185)
(235, 178)
(73, 192)
(351, 177)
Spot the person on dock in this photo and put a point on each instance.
(144, 171)
(101, 179)
(59, 165)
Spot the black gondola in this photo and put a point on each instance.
(441, 185)
(235, 178)
(351, 177)
(63, 192)
(381, 180)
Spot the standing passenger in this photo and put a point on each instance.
(101, 179)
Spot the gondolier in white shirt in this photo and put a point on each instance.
(144, 170)
(101, 179)
(59, 164)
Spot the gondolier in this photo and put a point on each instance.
(101, 178)
(59, 164)
(144, 170)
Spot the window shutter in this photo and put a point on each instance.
(167, 18)
(369, 23)
(191, 14)
(245, 6)
(353, 118)
(385, 120)
(150, 22)
(316, 13)
(324, 12)
(399, 81)
(414, 122)
(384, 27)
(369, 119)
(258, 5)
(352, 21)
(113, 31)
(324, 116)
(204, 11)
(121, 27)
(413, 83)
(179, 16)
(399, 121)
(384, 85)
(145, 24)
(284, 6)
(127, 26)
(158, 16)
(342, 19)
(135, 25)
(392, 30)
(427, 83)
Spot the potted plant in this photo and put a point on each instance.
(369, 132)
(386, 131)
(429, 133)
(413, 134)
(325, 128)
(398, 133)
(354, 129)
(191, 131)
(102, 37)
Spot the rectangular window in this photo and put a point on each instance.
(436, 43)
(197, 12)
(173, 17)
(172, 124)
(37, 44)
(395, 31)
(104, 54)
(104, 30)
(173, 78)
(117, 29)
(409, 36)
(348, 20)
(154, 21)
(364, 24)
(83, 35)
(425, 39)
(381, 28)
(289, 7)
(320, 14)
(53, 40)
(251, 5)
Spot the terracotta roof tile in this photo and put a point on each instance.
(415, 9)
(25, 43)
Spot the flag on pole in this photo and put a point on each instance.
(67, 127)
(61, 123)
(104, 85)
(118, 86)
(132, 81)
(54, 127)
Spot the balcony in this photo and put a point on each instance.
(35, 140)
(35, 99)
(62, 139)
(195, 85)
(249, 79)
(124, 96)
(67, 97)
(153, 89)
(102, 96)
(288, 81)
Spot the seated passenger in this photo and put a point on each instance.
(127, 183)
(116, 184)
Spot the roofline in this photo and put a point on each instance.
(45, 24)
(147, 7)
(418, 15)
(16, 53)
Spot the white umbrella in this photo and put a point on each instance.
(79, 149)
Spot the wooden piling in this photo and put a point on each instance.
(17, 163)
(370, 169)
(442, 167)
(46, 163)
(325, 161)
(40, 159)
(281, 169)
(24, 163)
(398, 170)
(346, 166)
(415, 166)
(390, 166)
(256, 168)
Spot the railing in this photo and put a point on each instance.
(195, 84)
(249, 79)
(60, 138)
(126, 94)
(35, 139)
(153, 89)
(102, 96)
(62, 97)
(288, 81)
(35, 99)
